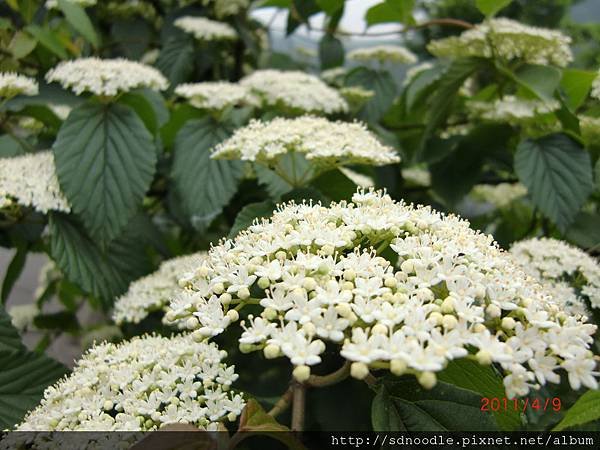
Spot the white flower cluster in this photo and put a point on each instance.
(596, 87)
(22, 316)
(356, 96)
(106, 77)
(298, 91)
(507, 39)
(31, 181)
(53, 4)
(383, 53)
(205, 29)
(499, 195)
(590, 129)
(140, 385)
(153, 292)
(511, 109)
(396, 287)
(565, 269)
(317, 138)
(412, 73)
(12, 84)
(417, 175)
(216, 95)
(224, 8)
(334, 76)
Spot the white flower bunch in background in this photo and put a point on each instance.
(319, 140)
(334, 76)
(298, 91)
(417, 175)
(412, 73)
(141, 385)
(507, 39)
(153, 292)
(395, 287)
(216, 95)
(383, 53)
(356, 96)
(511, 109)
(12, 84)
(53, 4)
(596, 87)
(22, 316)
(31, 181)
(224, 8)
(106, 77)
(130, 8)
(205, 29)
(565, 269)
(590, 128)
(499, 195)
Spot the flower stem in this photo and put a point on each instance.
(283, 403)
(332, 378)
(298, 406)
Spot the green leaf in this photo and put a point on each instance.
(250, 212)
(484, 380)
(576, 84)
(78, 19)
(176, 59)
(489, 8)
(22, 45)
(441, 102)
(204, 185)
(330, 6)
(585, 230)
(455, 175)
(420, 86)
(142, 107)
(558, 175)
(24, 376)
(133, 36)
(445, 407)
(105, 162)
(254, 421)
(48, 39)
(335, 185)
(104, 274)
(331, 52)
(10, 147)
(540, 80)
(179, 116)
(585, 410)
(273, 183)
(380, 82)
(391, 11)
(384, 414)
(14, 270)
(9, 336)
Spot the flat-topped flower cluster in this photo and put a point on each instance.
(567, 270)
(394, 286)
(153, 292)
(317, 138)
(205, 29)
(295, 91)
(217, 95)
(141, 385)
(383, 53)
(511, 109)
(596, 87)
(106, 77)
(507, 39)
(30, 180)
(53, 4)
(499, 195)
(13, 84)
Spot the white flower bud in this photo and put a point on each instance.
(264, 282)
(269, 314)
(301, 373)
(398, 367)
(508, 323)
(427, 379)
(225, 298)
(309, 284)
(218, 288)
(379, 329)
(272, 351)
(233, 315)
(349, 275)
(448, 305)
(493, 311)
(281, 255)
(391, 282)
(484, 357)
(449, 322)
(359, 370)
(192, 323)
